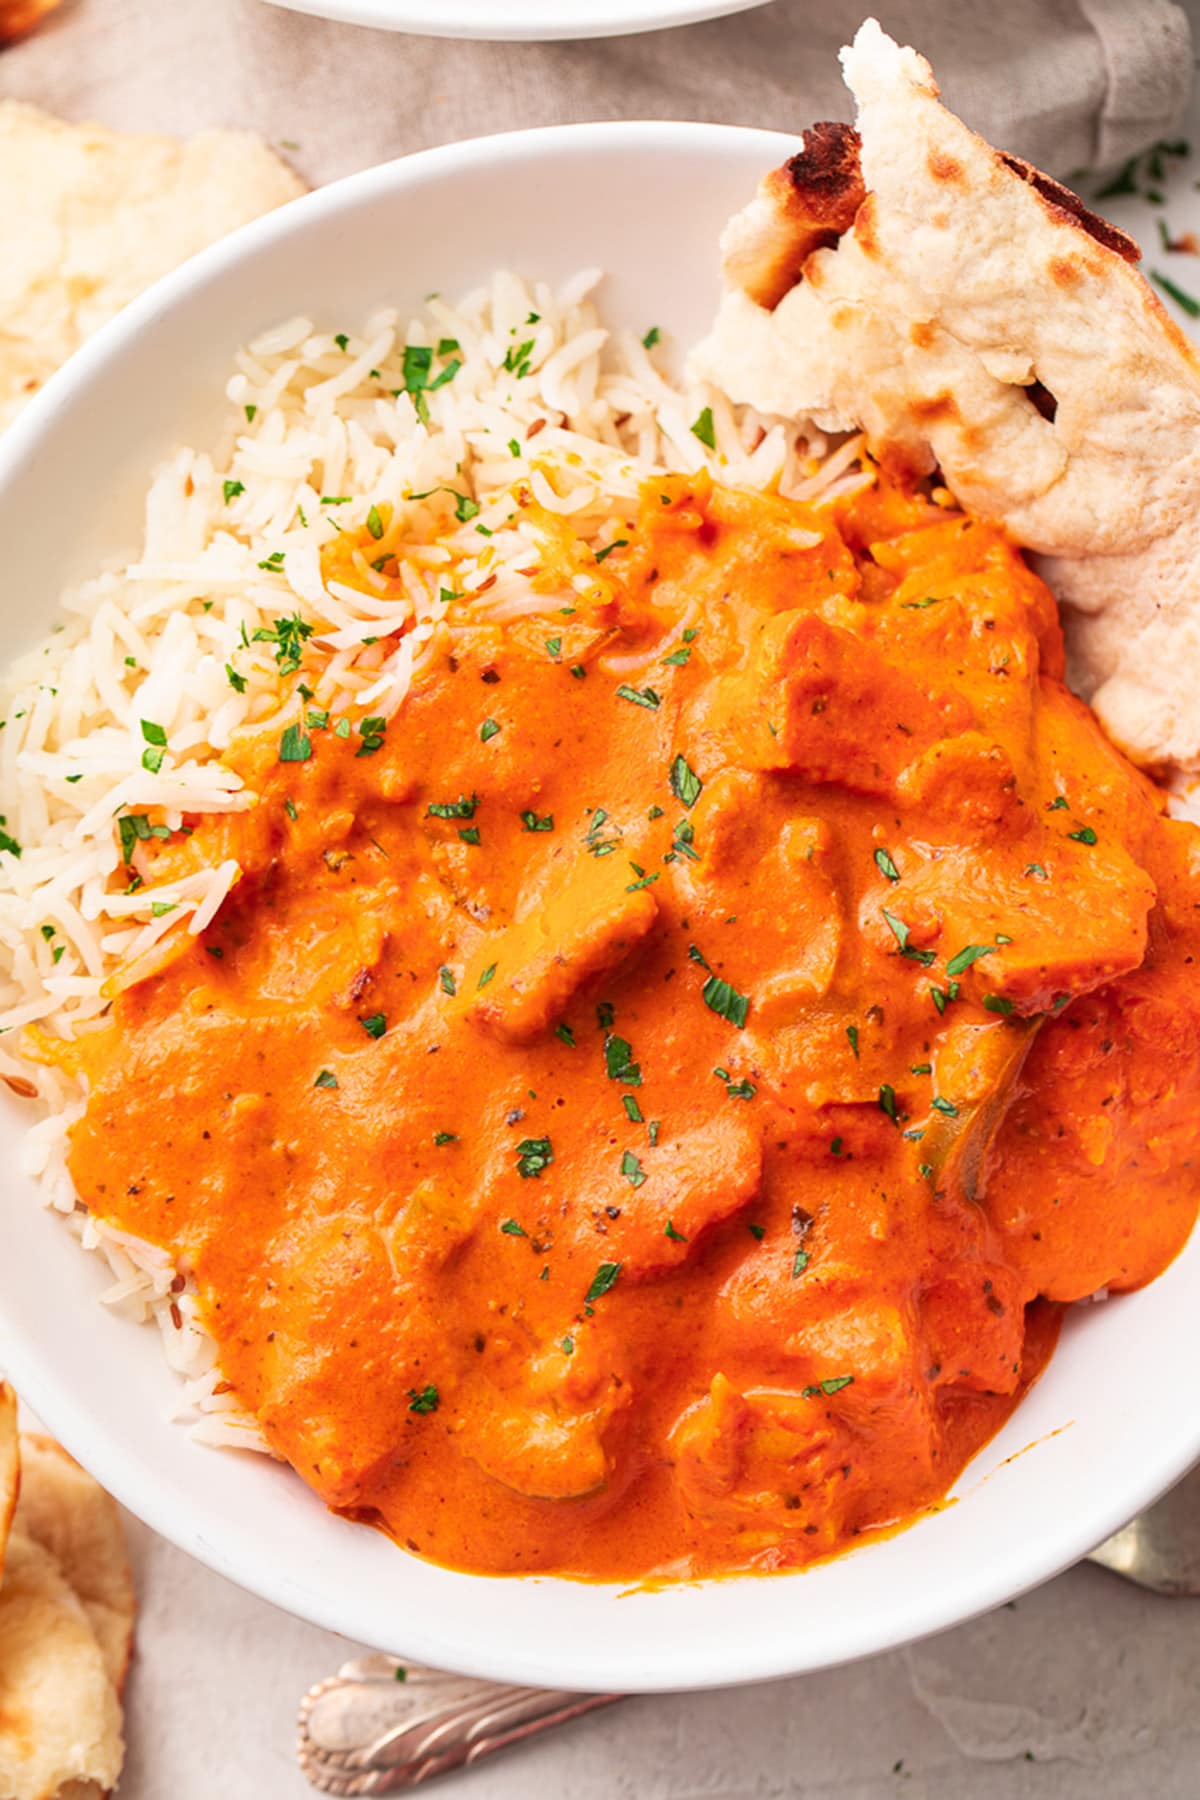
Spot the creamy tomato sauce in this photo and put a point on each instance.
(626, 1117)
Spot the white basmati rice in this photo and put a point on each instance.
(133, 700)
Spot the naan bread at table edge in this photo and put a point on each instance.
(89, 217)
(10, 1464)
(973, 316)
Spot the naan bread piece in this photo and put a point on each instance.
(976, 318)
(60, 1719)
(10, 1464)
(89, 217)
(67, 1513)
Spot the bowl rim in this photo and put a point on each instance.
(1068, 1534)
(537, 21)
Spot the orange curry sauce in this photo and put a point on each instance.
(624, 1120)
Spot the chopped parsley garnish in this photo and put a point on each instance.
(462, 808)
(633, 1111)
(943, 996)
(533, 1155)
(683, 843)
(272, 564)
(375, 1024)
(998, 1004)
(651, 338)
(532, 822)
(160, 908)
(486, 976)
(617, 544)
(605, 1015)
(465, 509)
(965, 957)
(1037, 870)
(639, 696)
(249, 412)
(317, 718)
(619, 1063)
(833, 1385)
(445, 1137)
(516, 358)
(237, 682)
(676, 1237)
(295, 745)
(424, 1401)
(1085, 835)
(921, 1069)
(799, 1263)
(603, 1281)
(447, 980)
(852, 1034)
(900, 932)
(375, 523)
(652, 1131)
(944, 1106)
(133, 828)
(887, 1102)
(678, 659)
(704, 429)
(153, 734)
(1059, 804)
(326, 1079)
(564, 1033)
(686, 785)
(632, 1169)
(720, 997)
(510, 1228)
(886, 866)
(757, 1231)
(447, 346)
(288, 635)
(488, 730)
(568, 1345)
(231, 490)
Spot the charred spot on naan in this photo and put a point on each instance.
(804, 205)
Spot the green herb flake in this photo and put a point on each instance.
(295, 745)
(676, 1237)
(568, 1346)
(652, 337)
(1085, 835)
(603, 1281)
(887, 1102)
(900, 931)
(565, 1035)
(639, 696)
(685, 784)
(375, 1024)
(1036, 870)
(375, 523)
(886, 866)
(425, 1400)
(488, 730)
(554, 646)
(799, 1264)
(250, 411)
(462, 808)
(720, 997)
(237, 682)
(632, 1169)
(619, 1063)
(533, 1155)
(510, 1228)
(944, 1106)
(965, 957)
(326, 1079)
(617, 544)
(231, 490)
(447, 981)
(704, 429)
(757, 1231)
(532, 822)
(486, 976)
(852, 1034)
(633, 1111)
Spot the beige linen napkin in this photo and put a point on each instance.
(1067, 83)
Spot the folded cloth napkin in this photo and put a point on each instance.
(1068, 84)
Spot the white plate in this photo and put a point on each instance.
(1113, 1422)
(531, 21)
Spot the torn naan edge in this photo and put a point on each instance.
(60, 1719)
(70, 1515)
(10, 1465)
(976, 318)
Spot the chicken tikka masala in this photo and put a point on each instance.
(644, 1107)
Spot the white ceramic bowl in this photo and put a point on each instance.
(531, 21)
(1115, 1419)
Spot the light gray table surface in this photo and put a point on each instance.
(1084, 1690)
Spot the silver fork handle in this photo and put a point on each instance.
(382, 1727)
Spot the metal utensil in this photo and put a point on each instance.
(382, 1727)
(1160, 1549)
